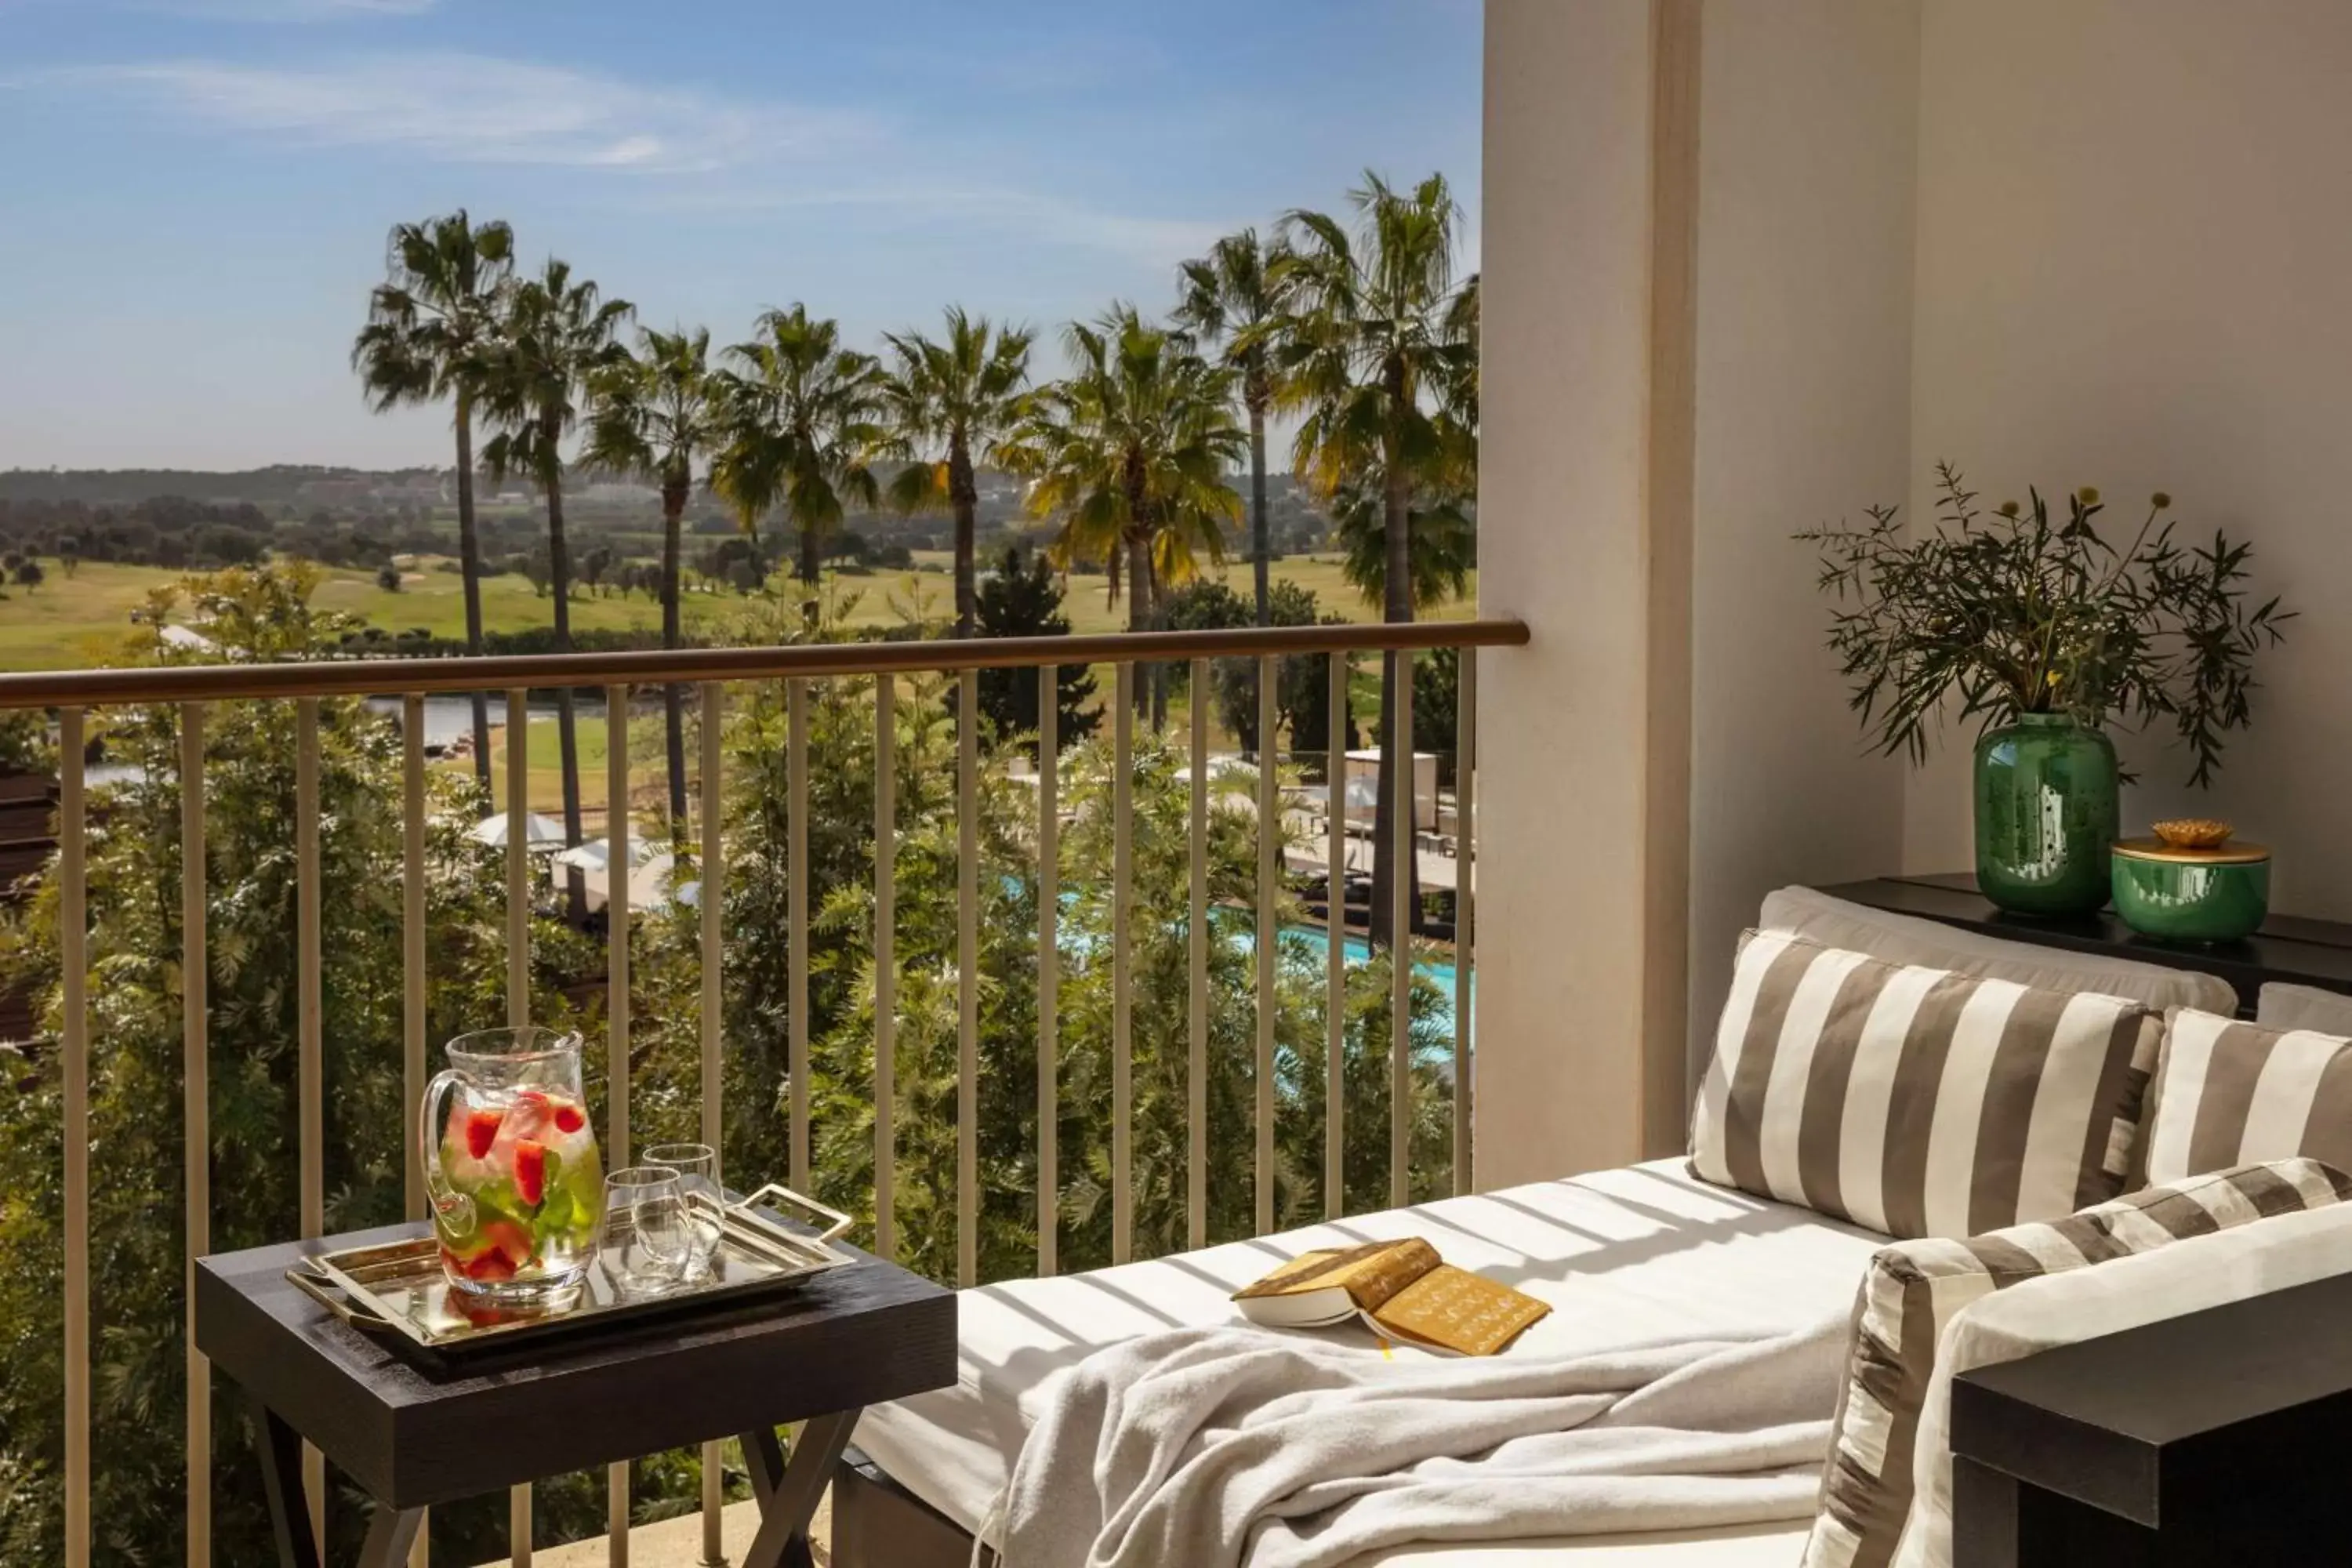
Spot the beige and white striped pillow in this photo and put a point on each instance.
(1915, 1101)
(1915, 1287)
(2227, 1093)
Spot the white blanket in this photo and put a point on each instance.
(1211, 1447)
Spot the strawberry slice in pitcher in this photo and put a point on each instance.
(506, 1249)
(482, 1124)
(530, 1171)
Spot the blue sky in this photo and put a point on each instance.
(195, 194)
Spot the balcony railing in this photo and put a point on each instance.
(192, 690)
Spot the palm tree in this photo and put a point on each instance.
(951, 402)
(558, 335)
(1132, 451)
(804, 428)
(1381, 357)
(1234, 298)
(432, 326)
(658, 414)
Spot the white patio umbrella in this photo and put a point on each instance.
(649, 885)
(539, 833)
(592, 854)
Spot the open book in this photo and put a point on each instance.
(1401, 1288)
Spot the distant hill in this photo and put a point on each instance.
(427, 496)
(302, 486)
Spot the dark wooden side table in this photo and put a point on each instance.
(414, 1437)
(2211, 1440)
(2289, 948)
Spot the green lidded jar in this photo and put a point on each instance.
(2046, 814)
(2219, 892)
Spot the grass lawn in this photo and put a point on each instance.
(70, 623)
(545, 756)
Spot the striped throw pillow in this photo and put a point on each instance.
(1915, 1287)
(2227, 1093)
(1917, 1101)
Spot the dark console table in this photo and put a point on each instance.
(413, 1435)
(2288, 948)
(2213, 1440)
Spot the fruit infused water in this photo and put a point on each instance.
(511, 1167)
(528, 1168)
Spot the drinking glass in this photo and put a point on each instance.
(647, 1234)
(696, 1165)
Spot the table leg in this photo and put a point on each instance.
(789, 1495)
(391, 1532)
(281, 1480)
(764, 1458)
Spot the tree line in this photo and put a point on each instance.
(1356, 326)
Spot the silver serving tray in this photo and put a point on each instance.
(399, 1288)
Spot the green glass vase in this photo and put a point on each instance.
(2046, 814)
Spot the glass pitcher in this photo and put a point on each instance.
(511, 1167)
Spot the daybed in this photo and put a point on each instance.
(1648, 1245)
(1649, 1248)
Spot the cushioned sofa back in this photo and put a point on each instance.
(1902, 939)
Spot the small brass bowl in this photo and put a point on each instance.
(2219, 894)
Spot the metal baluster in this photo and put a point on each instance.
(796, 924)
(1196, 1064)
(885, 977)
(1049, 963)
(412, 984)
(310, 1076)
(518, 874)
(1401, 886)
(1335, 957)
(1122, 1000)
(413, 1022)
(1464, 822)
(1269, 886)
(73, 957)
(968, 979)
(711, 871)
(519, 986)
(616, 1027)
(197, 1176)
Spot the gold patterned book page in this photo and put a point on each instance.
(1458, 1310)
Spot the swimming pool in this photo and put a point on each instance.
(1315, 942)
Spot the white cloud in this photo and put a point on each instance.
(459, 108)
(979, 208)
(1157, 241)
(287, 10)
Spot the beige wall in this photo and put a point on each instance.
(1674, 744)
(2135, 271)
(2061, 241)
(1561, 757)
(1808, 141)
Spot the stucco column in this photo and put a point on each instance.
(1584, 531)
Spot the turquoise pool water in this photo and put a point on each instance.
(1313, 944)
(1316, 943)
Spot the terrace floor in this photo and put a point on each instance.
(677, 1543)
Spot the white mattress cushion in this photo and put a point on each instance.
(1620, 1256)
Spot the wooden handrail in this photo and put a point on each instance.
(375, 676)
